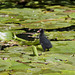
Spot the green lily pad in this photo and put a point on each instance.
(64, 72)
(15, 49)
(4, 64)
(72, 15)
(60, 57)
(6, 36)
(62, 47)
(61, 35)
(19, 73)
(4, 73)
(19, 66)
(68, 72)
(47, 25)
(30, 18)
(17, 31)
(65, 35)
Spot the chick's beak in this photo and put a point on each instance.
(38, 31)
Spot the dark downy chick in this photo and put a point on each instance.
(45, 43)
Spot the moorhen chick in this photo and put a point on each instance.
(45, 43)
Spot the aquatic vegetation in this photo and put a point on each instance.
(24, 55)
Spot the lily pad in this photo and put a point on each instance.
(4, 64)
(60, 57)
(62, 47)
(72, 15)
(19, 66)
(64, 72)
(65, 35)
(47, 25)
(6, 36)
(30, 18)
(4, 73)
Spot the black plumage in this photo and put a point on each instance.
(45, 43)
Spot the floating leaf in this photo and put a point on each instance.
(72, 15)
(4, 64)
(4, 73)
(19, 66)
(6, 36)
(61, 47)
(65, 35)
(19, 73)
